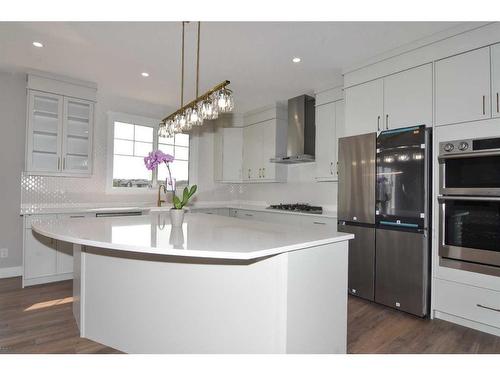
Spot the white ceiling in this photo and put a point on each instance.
(254, 56)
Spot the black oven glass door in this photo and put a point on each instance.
(472, 224)
(473, 172)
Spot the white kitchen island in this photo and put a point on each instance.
(216, 285)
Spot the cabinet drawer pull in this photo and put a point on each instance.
(378, 123)
(77, 216)
(487, 307)
(387, 122)
(58, 162)
(249, 170)
(498, 105)
(484, 104)
(263, 172)
(319, 223)
(64, 163)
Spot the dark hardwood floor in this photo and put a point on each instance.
(39, 319)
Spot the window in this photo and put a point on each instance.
(132, 141)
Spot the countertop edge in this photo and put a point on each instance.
(195, 253)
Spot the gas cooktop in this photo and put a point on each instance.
(297, 207)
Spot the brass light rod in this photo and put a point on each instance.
(199, 98)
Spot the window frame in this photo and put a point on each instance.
(143, 121)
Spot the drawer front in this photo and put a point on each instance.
(469, 302)
(317, 220)
(30, 219)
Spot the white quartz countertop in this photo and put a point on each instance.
(93, 208)
(205, 236)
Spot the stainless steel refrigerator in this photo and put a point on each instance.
(383, 199)
(356, 209)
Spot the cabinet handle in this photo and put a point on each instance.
(64, 163)
(260, 172)
(263, 172)
(487, 307)
(484, 104)
(331, 168)
(498, 105)
(318, 223)
(58, 162)
(387, 122)
(77, 216)
(378, 123)
(249, 170)
(337, 168)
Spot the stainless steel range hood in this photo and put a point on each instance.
(301, 133)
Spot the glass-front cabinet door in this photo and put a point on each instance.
(77, 136)
(44, 132)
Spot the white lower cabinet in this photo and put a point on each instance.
(46, 260)
(467, 302)
(39, 255)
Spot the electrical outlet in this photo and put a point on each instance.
(4, 253)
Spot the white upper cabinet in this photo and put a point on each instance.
(364, 108)
(396, 101)
(252, 156)
(60, 125)
(44, 132)
(264, 138)
(77, 136)
(408, 98)
(495, 80)
(228, 148)
(59, 135)
(463, 87)
(328, 116)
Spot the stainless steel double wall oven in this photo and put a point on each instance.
(469, 205)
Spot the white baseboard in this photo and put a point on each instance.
(11, 272)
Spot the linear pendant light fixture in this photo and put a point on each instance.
(206, 106)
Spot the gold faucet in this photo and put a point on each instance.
(160, 201)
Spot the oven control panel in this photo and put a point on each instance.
(455, 147)
(470, 146)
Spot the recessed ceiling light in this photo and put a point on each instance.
(38, 44)
(296, 59)
(144, 74)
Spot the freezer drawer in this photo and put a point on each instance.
(361, 260)
(402, 271)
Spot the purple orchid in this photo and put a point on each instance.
(155, 158)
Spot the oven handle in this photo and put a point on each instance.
(475, 154)
(467, 198)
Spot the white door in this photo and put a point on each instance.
(339, 132)
(77, 136)
(408, 98)
(252, 153)
(218, 154)
(463, 87)
(268, 131)
(44, 132)
(364, 108)
(325, 141)
(495, 80)
(39, 256)
(232, 154)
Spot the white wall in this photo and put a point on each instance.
(12, 137)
